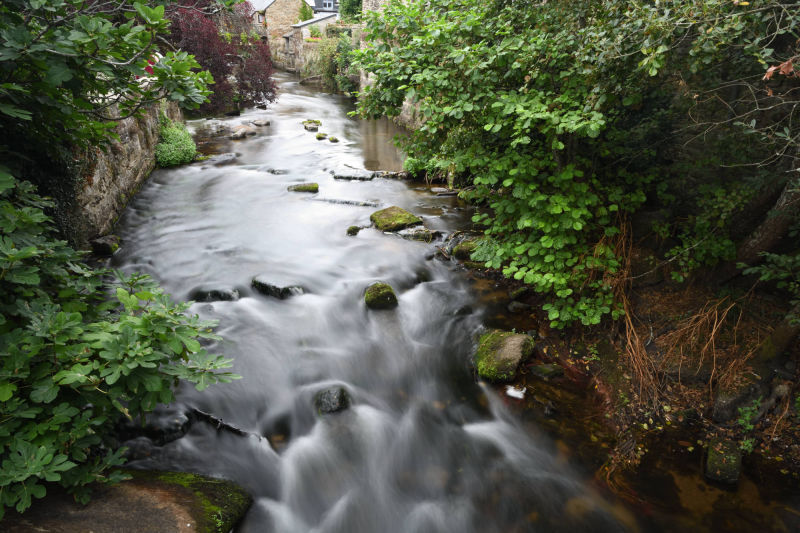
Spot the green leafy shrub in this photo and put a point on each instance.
(73, 359)
(305, 13)
(176, 146)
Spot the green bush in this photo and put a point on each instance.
(305, 13)
(176, 147)
(73, 359)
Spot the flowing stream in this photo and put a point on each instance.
(423, 447)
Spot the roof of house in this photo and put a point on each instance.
(261, 5)
(317, 18)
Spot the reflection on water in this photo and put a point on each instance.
(379, 151)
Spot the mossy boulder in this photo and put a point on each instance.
(724, 461)
(333, 139)
(394, 219)
(380, 295)
(463, 250)
(304, 187)
(353, 230)
(500, 353)
(150, 501)
(312, 125)
(322, 136)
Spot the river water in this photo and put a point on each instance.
(423, 447)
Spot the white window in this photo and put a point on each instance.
(261, 17)
(327, 4)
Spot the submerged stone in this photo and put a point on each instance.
(500, 353)
(353, 230)
(724, 461)
(394, 219)
(304, 187)
(420, 234)
(261, 123)
(214, 295)
(331, 400)
(547, 371)
(270, 289)
(240, 132)
(380, 295)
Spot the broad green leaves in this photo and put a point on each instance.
(73, 361)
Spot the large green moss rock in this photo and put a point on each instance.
(380, 295)
(500, 353)
(394, 219)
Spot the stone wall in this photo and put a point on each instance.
(108, 178)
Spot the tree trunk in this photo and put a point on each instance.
(774, 228)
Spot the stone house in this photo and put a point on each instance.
(296, 51)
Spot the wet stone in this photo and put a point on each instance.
(393, 219)
(331, 400)
(547, 371)
(261, 123)
(353, 175)
(214, 295)
(353, 230)
(105, 246)
(380, 295)
(269, 289)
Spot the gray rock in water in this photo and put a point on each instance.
(331, 400)
(353, 230)
(353, 175)
(240, 132)
(311, 127)
(222, 159)
(214, 295)
(270, 289)
(261, 123)
(105, 246)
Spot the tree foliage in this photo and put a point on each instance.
(224, 44)
(305, 13)
(350, 10)
(568, 117)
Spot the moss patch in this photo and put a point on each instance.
(500, 353)
(333, 139)
(353, 230)
(322, 136)
(380, 295)
(218, 504)
(304, 187)
(393, 219)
